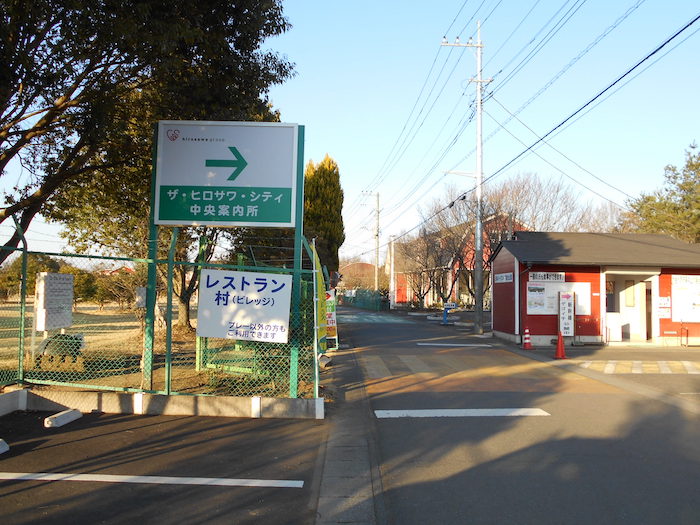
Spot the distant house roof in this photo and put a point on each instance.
(602, 249)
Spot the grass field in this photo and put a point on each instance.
(111, 353)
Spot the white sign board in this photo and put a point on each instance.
(685, 297)
(53, 301)
(543, 297)
(331, 321)
(226, 174)
(503, 278)
(558, 277)
(566, 313)
(248, 306)
(141, 292)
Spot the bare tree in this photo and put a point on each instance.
(415, 258)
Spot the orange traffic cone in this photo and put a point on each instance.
(560, 353)
(526, 340)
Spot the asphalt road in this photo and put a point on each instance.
(614, 439)
(141, 462)
(608, 452)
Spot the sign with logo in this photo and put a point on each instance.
(248, 306)
(226, 174)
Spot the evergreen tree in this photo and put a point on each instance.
(673, 209)
(323, 206)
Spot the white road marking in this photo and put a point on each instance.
(637, 367)
(690, 367)
(415, 364)
(451, 344)
(375, 367)
(663, 367)
(610, 367)
(586, 364)
(461, 412)
(158, 480)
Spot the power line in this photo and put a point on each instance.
(559, 169)
(597, 96)
(541, 139)
(599, 179)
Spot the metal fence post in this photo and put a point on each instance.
(151, 293)
(296, 281)
(169, 313)
(23, 302)
(201, 345)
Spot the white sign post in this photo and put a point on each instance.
(566, 313)
(53, 302)
(248, 306)
(226, 174)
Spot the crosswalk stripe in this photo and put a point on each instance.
(415, 364)
(375, 367)
(610, 367)
(637, 367)
(690, 367)
(664, 368)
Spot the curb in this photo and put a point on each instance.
(156, 404)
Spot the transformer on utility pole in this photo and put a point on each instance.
(478, 234)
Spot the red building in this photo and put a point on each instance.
(452, 265)
(623, 287)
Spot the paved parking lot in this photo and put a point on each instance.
(158, 469)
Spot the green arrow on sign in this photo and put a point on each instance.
(239, 163)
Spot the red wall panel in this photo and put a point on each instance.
(548, 324)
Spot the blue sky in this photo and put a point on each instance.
(363, 66)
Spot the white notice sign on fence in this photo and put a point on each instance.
(248, 306)
(53, 301)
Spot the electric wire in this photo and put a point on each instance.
(569, 118)
(547, 143)
(578, 182)
(597, 96)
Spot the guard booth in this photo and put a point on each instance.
(627, 288)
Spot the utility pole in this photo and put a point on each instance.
(376, 250)
(392, 278)
(478, 234)
(376, 241)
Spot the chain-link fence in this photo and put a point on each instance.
(375, 300)
(85, 326)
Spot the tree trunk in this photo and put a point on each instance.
(183, 311)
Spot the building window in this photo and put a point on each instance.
(629, 293)
(610, 300)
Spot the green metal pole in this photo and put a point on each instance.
(200, 342)
(22, 303)
(149, 332)
(317, 377)
(169, 313)
(296, 280)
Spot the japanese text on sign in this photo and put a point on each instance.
(566, 313)
(557, 277)
(244, 305)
